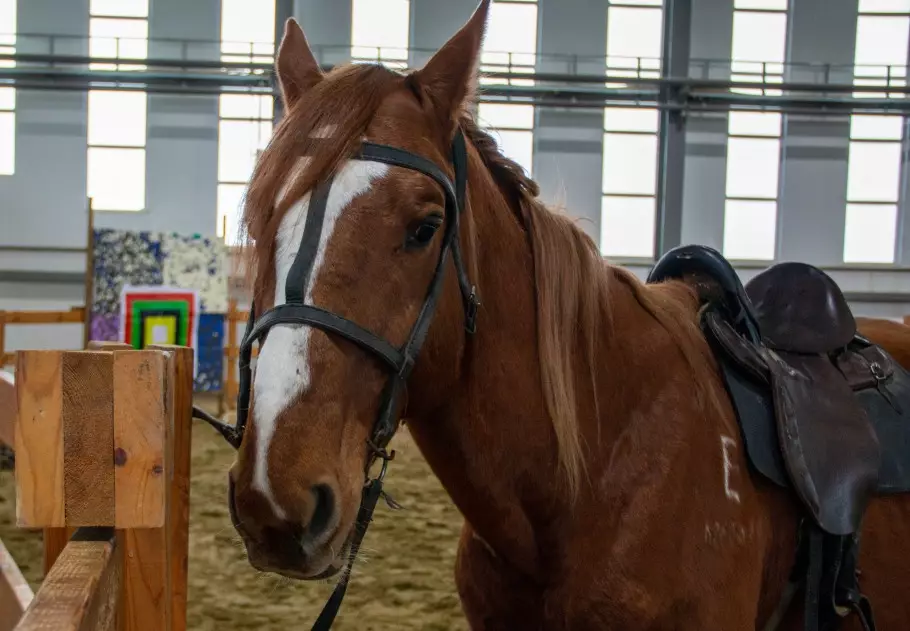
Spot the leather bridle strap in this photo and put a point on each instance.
(370, 496)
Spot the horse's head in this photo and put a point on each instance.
(342, 226)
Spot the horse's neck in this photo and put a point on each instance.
(491, 443)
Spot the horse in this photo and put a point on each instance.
(893, 336)
(403, 268)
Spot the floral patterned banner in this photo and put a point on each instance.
(123, 258)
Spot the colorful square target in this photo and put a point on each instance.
(159, 315)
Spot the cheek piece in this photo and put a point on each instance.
(398, 361)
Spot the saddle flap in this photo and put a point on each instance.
(829, 446)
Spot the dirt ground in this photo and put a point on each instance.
(403, 578)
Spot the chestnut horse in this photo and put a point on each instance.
(893, 336)
(582, 430)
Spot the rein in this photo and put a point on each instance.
(398, 361)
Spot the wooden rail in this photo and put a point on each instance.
(15, 593)
(76, 315)
(83, 590)
(103, 446)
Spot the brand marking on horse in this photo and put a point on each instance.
(283, 368)
(717, 533)
(725, 444)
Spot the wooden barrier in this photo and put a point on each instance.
(83, 591)
(103, 446)
(15, 593)
(7, 407)
(76, 315)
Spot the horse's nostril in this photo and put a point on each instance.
(323, 511)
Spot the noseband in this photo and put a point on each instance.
(399, 362)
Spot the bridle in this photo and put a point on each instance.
(399, 362)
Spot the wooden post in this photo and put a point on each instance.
(116, 422)
(178, 514)
(8, 408)
(231, 354)
(89, 274)
(2, 338)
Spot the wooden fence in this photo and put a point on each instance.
(76, 315)
(102, 465)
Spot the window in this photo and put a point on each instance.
(874, 163)
(248, 31)
(7, 94)
(627, 228)
(244, 119)
(510, 47)
(753, 144)
(380, 31)
(116, 118)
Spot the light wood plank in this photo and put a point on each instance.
(8, 408)
(73, 316)
(39, 440)
(83, 590)
(146, 604)
(140, 438)
(178, 512)
(104, 345)
(15, 592)
(88, 438)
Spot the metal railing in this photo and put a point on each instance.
(208, 67)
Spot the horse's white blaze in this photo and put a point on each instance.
(282, 369)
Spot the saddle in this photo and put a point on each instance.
(820, 408)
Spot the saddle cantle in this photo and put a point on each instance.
(821, 409)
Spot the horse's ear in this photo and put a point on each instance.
(449, 78)
(295, 64)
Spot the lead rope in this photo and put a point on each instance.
(372, 491)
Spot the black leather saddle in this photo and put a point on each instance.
(823, 411)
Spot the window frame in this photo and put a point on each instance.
(621, 63)
(261, 117)
(128, 152)
(395, 57)
(761, 129)
(494, 59)
(8, 43)
(866, 74)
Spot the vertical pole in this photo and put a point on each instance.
(89, 274)
(231, 354)
(177, 523)
(671, 151)
(2, 338)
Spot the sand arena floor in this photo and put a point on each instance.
(403, 578)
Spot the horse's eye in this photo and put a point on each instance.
(420, 235)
